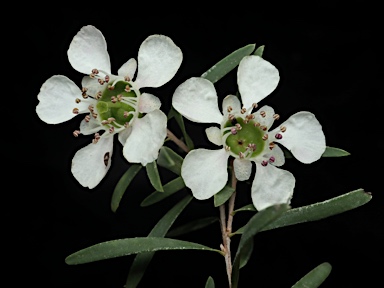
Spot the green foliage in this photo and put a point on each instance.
(123, 184)
(334, 152)
(170, 160)
(192, 226)
(154, 177)
(329, 152)
(180, 121)
(253, 226)
(170, 188)
(210, 283)
(315, 277)
(224, 66)
(129, 246)
(259, 51)
(142, 260)
(320, 210)
(223, 195)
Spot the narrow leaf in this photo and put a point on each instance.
(315, 277)
(170, 160)
(123, 184)
(246, 254)
(224, 66)
(223, 195)
(170, 188)
(248, 207)
(210, 283)
(129, 246)
(154, 177)
(179, 120)
(253, 226)
(142, 260)
(320, 210)
(259, 51)
(329, 152)
(192, 226)
(334, 152)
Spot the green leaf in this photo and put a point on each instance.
(170, 188)
(123, 184)
(320, 210)
(170, 160)
(128, 246)
(210, 283)
(259, 51)
(154, 177)
(329, 152)
(179, 119)
(224, 66)
(248, 207)
(192, 226)
(246, 254)
(315, 277)
(334, 152)
(223, 195)
(253, 226)
(142, 260)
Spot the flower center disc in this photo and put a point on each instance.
(247, 140)
(116, 109)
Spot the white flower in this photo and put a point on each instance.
(113, 103)
(246, 136)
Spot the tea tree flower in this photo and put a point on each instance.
(246, 136)
(113, 104)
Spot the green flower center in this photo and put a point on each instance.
(109, 105)
(246, 137)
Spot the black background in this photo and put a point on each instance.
(329, 65)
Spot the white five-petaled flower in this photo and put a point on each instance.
(246, 136)
(113, 103)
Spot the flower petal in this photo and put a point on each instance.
(243, 169)
(124, 134)
(148, 103)
(196, 100)
(58, 99)
(278, 154)
(205, 172)
(92, 85)
(304, 137)
(92, 162)
(128, 69)
(214, 135)
(271, 186)
(147, 137)
(90, 127)
(88, 50)
(233, 102)
(159, 59)
(266, 120)
(256, 78)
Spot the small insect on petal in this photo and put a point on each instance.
(263, 114)
(283, 129)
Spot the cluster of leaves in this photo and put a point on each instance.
(162, 237)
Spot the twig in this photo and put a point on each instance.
(226, 228)
(177, 141)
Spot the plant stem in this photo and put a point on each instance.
(177, 141)
(226, 228)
